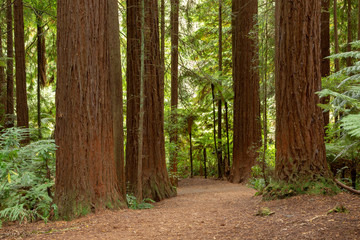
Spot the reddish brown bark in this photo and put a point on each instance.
(41, 66)
(300, 148)
(325, 50)
(174, 18)
(9, 122)
(117, 92)
(2, 87)
(86, 177)
(358, 30)
(22, 112)
(247, 126)
(155, 180)
(336, 37)
(221, 165)
(349, 32)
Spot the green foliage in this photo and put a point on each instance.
(281, 189)
(351, 125)
(339, 209)
(133, 203)
(257, 183)
(264, 211)
(25, 177)
(257, 176)
(343, 136)
(2, 62)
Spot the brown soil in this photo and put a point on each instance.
(209, 209)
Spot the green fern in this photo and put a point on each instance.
(17, 213)
(351, 124)
(24, 180)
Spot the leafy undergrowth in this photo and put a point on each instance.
(133, 203)
(26, 177)
(281, 189)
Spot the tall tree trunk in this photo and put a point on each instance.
(227, 164)
(22, 111)
(325, 50)
(247, 125)
(133, 91)
(265, 107)
(220, 160)
(336, 37)
(86, 177)
(349, 32)
(300, 148)
(214, 130)
(162, 59)
(9, 122)
(358, 30)
(41, 66)
(117, 92)
(174, 79)
(142, 102)
(190, 123)
(205, 170)
(162, 33)
(2, 87)
(155, 180)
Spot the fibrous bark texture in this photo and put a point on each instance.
(86, 178)
(155, 180)
(117, 91)
(2, 87)
(41, 66)
(247, 126)
(174, 78)
(22, 112)
(349, 32)
(325, 50)
(9, 122)
(300, 148)
(336, 37)
(221, 164)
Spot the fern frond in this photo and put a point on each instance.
(352, 54)
(351, 124)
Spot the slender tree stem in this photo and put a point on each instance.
(142, 102)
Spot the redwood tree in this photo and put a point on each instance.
(336, 37)
(9, 122)
(247, 126)
(325, 49)
(41, 61)
(221, 165)
(174, 18)
(155, 180)
(117, 91)
(2, 86)
(86, 178)
(22, 111)
(349, 32)
(300, 148)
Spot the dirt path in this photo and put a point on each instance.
(208, 209)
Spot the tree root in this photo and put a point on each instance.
(347, 187)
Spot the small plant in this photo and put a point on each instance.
(264, 211)
(257, 183)
(133, 203)
(339, 209)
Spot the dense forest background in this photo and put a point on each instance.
(185, 54)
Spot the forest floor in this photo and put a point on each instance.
(209, 209)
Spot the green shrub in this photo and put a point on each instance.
(26, 177)
(133, 203)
